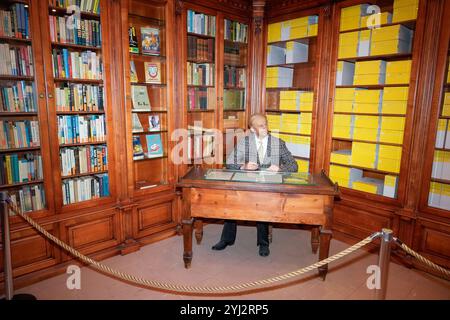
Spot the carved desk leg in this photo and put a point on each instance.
(325, 237)
(315, 231)
(187, 241)
(198, 225)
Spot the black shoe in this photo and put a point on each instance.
(264, 251)
(221, 245)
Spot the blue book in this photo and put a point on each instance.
(66, 63)
(154, 146)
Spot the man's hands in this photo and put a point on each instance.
(250, 166)
(273, 168)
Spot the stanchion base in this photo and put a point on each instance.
(23, 296)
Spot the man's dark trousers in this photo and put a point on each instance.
(230, 228)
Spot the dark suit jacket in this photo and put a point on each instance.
(277, 153)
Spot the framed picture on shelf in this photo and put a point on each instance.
(153, 123)
(152, 72)
(150, 41)
(154, 146)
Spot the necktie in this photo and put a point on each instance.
(260, 151)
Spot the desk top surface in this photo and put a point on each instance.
(286, 182)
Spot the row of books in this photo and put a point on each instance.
(154, 147)
(234, 77)
(85, 188)
(235, 31)
(28, 198)
(16, 60)
(81, 129)
(19, 134)
(234, 55)
(15, 22)
(201, 23)
(17, 97)
(200, 49)
(233, 99)
(92, 6)
(16, 168)
(200, 74)
(79, 65)
(85, 159)
(79, 31)
(79, 97)
(201, 98)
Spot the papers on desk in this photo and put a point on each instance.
(259, 176)
(219, 175)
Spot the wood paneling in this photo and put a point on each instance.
(432, 241)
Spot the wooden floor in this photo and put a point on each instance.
(290, 251)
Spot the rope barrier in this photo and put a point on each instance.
(213, 290)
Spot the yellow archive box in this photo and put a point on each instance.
(368, 96)
(343, 132)
(389, 165)
(398, 72)
(374, 108)
(274, 121)
(341, 157)
(351, 17)
(393, 123)
(369, 185)
(343, 120)
(390, 47)
(370, 67)
(288, 105)
(303, 165)
(370, 122)
(274, 32)
(396, 93)
(345, 172)
(313, 30)
(347, 94)
(376, 19)
(348, 51)
(305, 128)
(390, 152)
(306, 117)
(405, 10)
(396, 32)
(394, 107)
(349, 39)
(342, 182)
(446, 105)
(343, 106)
(391, 136)
(299, 32)
(365, 134)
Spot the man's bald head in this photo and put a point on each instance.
(258, 124)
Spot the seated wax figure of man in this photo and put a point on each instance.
(257, 151)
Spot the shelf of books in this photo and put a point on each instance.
(439, 190)
(371, 94)
(201, 100)
(148, 110)
(290, 87)
(80, 108)
(21, 151)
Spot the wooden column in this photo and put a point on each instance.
(257, 57)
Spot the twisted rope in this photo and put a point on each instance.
(176, 288)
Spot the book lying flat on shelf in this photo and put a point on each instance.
(138, 152)
(132, 39)
(133, 73)
(153, 123)
(150, 41)
(152, 72)
(140, 98)
(137, 126)
(154, 146)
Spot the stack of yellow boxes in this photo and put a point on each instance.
(364, 155)
(290, 123)
(341, 157)
(305, 123)
(438, 164)
(344, 73)
(439, 195)
(447, 138)
(376, 19)
(348, 44)
(296, 52)
(441, 132)
(405, 10)
(344, 99)
(395, 100)
(370, 72)
(398, 72)
(369, 185)
(351, 17)
(391, 40)
(274, 122)
(392, 129)
(274, 32)
(299, 146)
(389, 158)
(303, 165)
(390, 186)
(343, 126)
(367, 128)
(279, 77)
(296, 100)
(344, 176)
(368, 101)
(446, 105)
(298, 28)
(276, 55)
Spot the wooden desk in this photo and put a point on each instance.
(309, 204)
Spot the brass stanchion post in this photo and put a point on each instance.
(383, 262)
